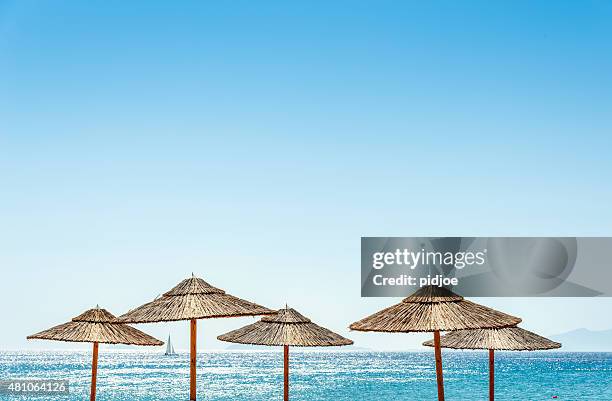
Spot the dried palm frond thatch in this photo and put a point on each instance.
(192, 298)
(434, 308)
(505, 339)
(286, 327)
(96, 326)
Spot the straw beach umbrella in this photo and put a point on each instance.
(434, 309)
(96, 326)
(506, 339)
(286, 328)
(192, 299)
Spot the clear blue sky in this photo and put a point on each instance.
(254, 143)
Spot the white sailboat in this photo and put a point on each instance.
(169, 347)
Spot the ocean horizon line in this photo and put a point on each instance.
(183, 351)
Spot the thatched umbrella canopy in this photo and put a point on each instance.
(285, 328)
(96, 326)
(193, 299)
(506, 339)
(434, 309)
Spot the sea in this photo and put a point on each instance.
(125, 375)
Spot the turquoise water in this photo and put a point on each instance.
(243, 375)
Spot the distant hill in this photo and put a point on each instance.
(585, 340)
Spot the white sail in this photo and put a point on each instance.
(169, 347)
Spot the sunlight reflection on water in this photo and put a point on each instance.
(147, 376)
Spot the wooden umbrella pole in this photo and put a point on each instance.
(94, 372)
(286, 372)
(491, 374)
(192, 361)
(439, 378)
